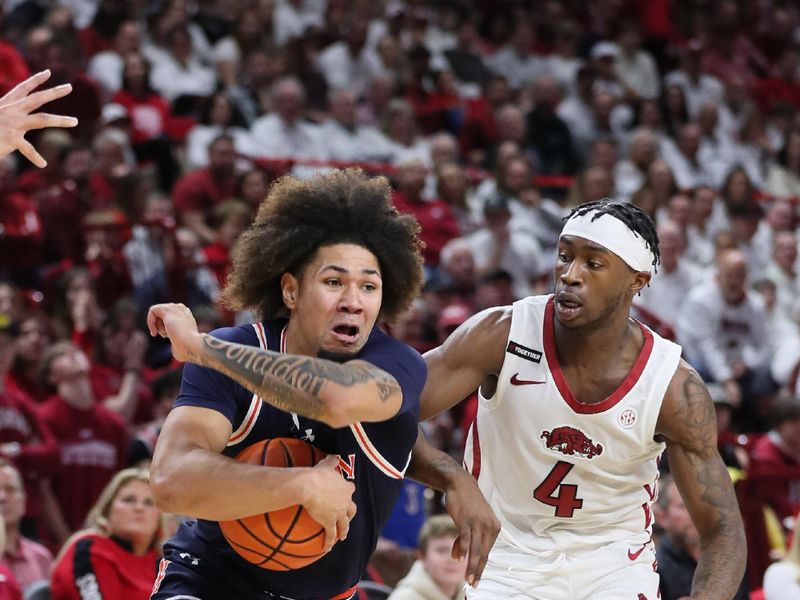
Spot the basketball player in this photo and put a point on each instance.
(15, 120)
(324, 259)
(577, 402)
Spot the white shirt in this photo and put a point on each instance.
(171, 79)
(362, 143)
(628, 178)
(290, 22)
(106, 69)
(273, 138)
(201, 136)
(707, 88)
(518, 70)
(342, 70)
(639, 73)
(715, 334)
(666, 291)
(782, 581)
(522, 257)
(688, 174)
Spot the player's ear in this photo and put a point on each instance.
(640, 281)
(289, 290)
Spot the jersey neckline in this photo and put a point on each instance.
(561, 382)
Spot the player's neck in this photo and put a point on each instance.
(295, 343)
(596, 344)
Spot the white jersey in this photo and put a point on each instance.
(558, 473)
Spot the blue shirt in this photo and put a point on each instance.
(378, 452)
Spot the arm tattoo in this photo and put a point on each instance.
(290, 382)
(722, 559)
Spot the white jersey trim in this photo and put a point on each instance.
(255, 403)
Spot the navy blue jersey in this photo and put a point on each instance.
(373, 455)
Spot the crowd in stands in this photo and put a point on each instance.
(492, 120)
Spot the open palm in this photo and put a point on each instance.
(16, 120)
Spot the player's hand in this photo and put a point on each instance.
(477, 524)
(176, 322)
(16, 120)
(330, 500)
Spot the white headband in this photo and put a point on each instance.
(611, 233)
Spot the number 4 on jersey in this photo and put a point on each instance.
(566, 502)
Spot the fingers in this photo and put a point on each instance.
(155, 323)
(477, 557)
(29, 152)
(461, 545)
(24, 88)
(342, 527)
(42, 120)
(330, 536)
(36, 100)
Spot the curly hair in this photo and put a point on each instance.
(300, 216)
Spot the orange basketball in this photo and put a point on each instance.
(283, 539)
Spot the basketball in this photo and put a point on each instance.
(283, 539)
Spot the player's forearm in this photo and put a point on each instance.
(432, 467)
(722, 562)
(254, 489)
(312, 387)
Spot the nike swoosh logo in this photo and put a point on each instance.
(517, 381)
(635, 555)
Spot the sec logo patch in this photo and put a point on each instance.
(627, 418)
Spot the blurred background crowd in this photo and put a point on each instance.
(491, 118)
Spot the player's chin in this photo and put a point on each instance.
(338, 353)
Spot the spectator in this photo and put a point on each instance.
(679, 547)
(93, 440)
(781, 271)
(723, 329)
(251, 90)
(548, 134)
(117, 555)
(35, 335)
(283, 133)
(496, 246)
(150, 117)
(435, 217)
(457, 273)
(563, 63)
(782, 579)
(783, 176)
(76, 311)
(252, 187)
(630, 173)
(401, 128)
(452, 188)
(21, 237)
(515, 61)
(697, 86)
(467, 65)
(180, 72)
(435, 575)
(350, 62)
(675, 279)
(706, 218)
(252, 25)
(780, 449)
(106, 67)
(687, 164)
(29, 561)
(345, 140)
(495, 288)
(229, 220)
(165, 390)
(745, 220)
(197, 192)
(219, 117)
(635, 67)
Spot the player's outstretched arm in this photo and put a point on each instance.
(459, 366)
(16, 120)
(477, 524)
(191, 477)
(688, 424)
(336, 394)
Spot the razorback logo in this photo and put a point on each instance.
(570, 442)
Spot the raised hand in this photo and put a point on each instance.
(176, 322)
(16, 120)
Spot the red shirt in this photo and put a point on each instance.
(437, 221)
(30, 562)
(199, 191)
(107, 381)
(21, 239)
(9, 588)
(149, 115)
(96, 560)
(782, 496)
(13, 67)
(19, 422)
(94, 446)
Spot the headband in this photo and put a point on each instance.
(608, 231)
